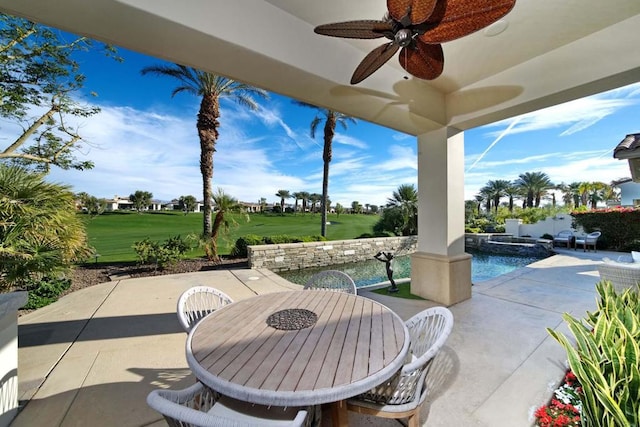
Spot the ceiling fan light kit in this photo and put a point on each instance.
(417, 28)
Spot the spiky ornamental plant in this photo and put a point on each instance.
(40, 233)
(606, 358)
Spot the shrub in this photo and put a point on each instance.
(280, 239)
(620, 227)
(240, 249)
(45, 292)
(40, 234)
(606, 359)
(161, 255)
(547, 236)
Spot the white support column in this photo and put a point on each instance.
(9, 304)
(440, 268)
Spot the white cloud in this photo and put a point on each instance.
(341, 138)
(575, 116)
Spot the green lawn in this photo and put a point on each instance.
(404, 291)
(113, 233)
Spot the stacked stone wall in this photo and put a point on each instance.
(295, 256)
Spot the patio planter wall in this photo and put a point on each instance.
(295, 256)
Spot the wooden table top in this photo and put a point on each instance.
(355, 344)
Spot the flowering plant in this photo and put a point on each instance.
(565, 406)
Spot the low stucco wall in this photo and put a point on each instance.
(295, 256)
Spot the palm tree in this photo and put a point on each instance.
(487, 197)
(567, 197)
(222, 222)
(535, 186)
(574, 190)
(478, 199)
(314, 198)
(304, 196)
(283, 194)
(297, 196)
(331, 119)
(405, 199)
(40, 233)
(211, 88)
(596, 193)
(495, 190)
(511, 191)
(583, 191)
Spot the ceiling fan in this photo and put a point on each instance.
(418, 27)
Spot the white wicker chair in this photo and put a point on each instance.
(590, 239)
(621, 275)
(197, 302)
(332, 280)
(199, 406)
(565, 237)
(403, 395)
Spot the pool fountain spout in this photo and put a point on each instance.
(386, 257)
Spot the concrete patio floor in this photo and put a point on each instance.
(92, 357)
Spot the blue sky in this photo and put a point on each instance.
(145, 140)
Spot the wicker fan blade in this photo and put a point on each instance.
(425, 62)
(421, 10)
(453, 19)
(374, 60)
(365, 29)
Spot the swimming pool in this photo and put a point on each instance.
(365, 273)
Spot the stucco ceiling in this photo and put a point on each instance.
(551, 51)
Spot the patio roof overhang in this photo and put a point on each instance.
(550, 52)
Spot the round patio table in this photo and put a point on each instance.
(298, 348)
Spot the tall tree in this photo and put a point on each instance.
(40, 75)
(314, 198)
(304, 196)
(283, 194)
(297, 196)
(405, 200)
(223, 222)
(187, 203)
(211, 89)
(495, 190)
(535, 185)
(487, 196)
(141, 199)
(331, 119)
(511, 191)
(479, 198)
(91, 204)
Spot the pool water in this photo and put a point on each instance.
(365, 273)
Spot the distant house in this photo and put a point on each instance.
(251, 207)
(124, 204)
(629, 192)
(119, 203)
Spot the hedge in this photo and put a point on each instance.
(620, 227)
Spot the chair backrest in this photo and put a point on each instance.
(195, 303)
(428, 331)
(332, 280)
(195, 406)
(592, 238)
(565, 233)
(622, 275)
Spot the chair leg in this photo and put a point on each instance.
(413, 420)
